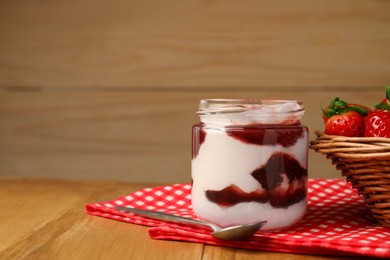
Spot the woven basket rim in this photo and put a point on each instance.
(352, 148)
(338, 138)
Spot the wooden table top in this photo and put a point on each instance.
(45, 218)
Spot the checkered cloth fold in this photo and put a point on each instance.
(336, 222)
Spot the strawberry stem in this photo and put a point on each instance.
(385, 104)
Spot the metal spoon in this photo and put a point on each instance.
(238, 232)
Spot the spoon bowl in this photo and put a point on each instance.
(238, 232)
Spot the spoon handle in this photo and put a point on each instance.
(162, 216)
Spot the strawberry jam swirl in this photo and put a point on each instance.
(271, 178)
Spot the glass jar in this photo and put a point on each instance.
(249, 162)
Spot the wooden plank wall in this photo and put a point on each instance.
(108, 89)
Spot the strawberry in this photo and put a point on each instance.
(342, 118)
(377, 122)
(347, 124)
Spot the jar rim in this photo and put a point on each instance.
(227, 106)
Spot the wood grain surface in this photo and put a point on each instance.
(91, 89)
(251, 43)
(46, 219)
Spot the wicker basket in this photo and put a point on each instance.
(365, 163)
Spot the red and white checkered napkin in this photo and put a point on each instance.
(336, 222)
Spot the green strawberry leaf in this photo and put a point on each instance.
(341, 104)
(383, 106)
(339, 107)
(358, 109)
(326, 114)
(332, 103)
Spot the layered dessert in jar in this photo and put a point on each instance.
(249, 162)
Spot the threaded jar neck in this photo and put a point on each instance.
(250, 111)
